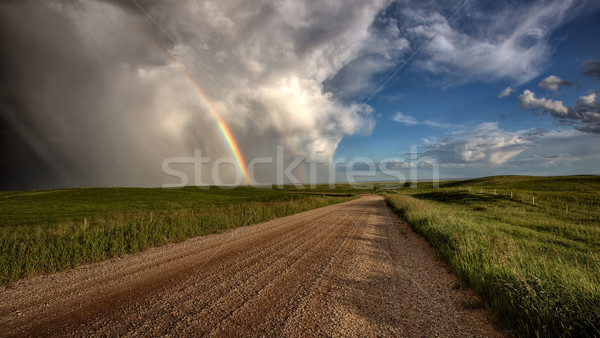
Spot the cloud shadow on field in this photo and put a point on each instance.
(462, 198)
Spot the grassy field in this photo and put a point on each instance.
(536, 265)
(53, 230)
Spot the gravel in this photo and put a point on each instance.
(350, 269)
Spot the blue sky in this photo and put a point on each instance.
(104, 93)
(454, 103)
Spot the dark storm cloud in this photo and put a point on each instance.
(591, 68)
(93, 92)
(31, 45)
(61, 123)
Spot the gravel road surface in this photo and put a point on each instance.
(351, 269)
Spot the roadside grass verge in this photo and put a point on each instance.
(49, 231)
(536, 266)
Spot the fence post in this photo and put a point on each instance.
(533, 200)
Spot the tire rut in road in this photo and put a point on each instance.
(268, 311)
(238, 289)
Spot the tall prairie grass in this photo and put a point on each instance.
(50, 239)
(536, 266)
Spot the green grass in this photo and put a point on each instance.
(45, 231)
(536, 266)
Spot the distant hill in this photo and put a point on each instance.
(551, 183)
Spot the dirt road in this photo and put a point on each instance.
(348, 269)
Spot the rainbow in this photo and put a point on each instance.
(223, 128)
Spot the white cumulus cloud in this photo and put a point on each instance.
(485, 144)
(585, 114)
(528, 100)
(552, 82)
